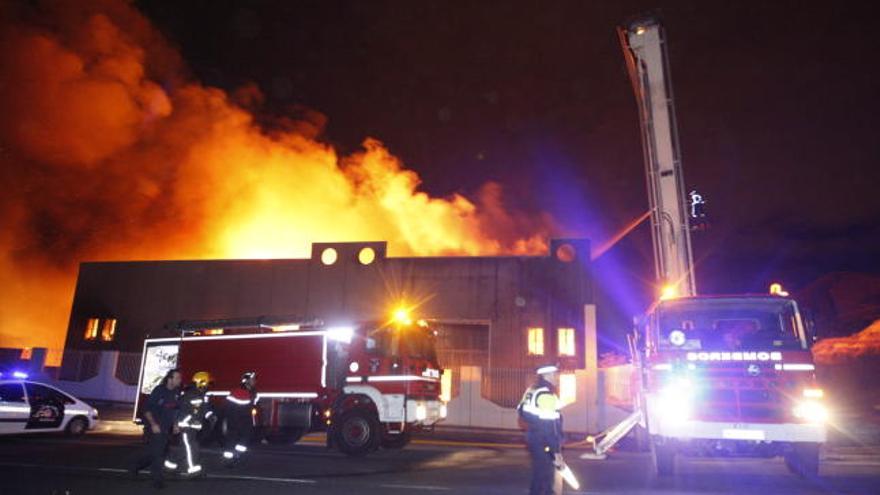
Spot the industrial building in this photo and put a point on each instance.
(502, 314)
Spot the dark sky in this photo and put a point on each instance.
(777, 105)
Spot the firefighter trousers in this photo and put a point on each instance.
(190, 455)
(238, 436)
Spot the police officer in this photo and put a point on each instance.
(539, 414)
(240, 417)
(159, 423)
(193, 415)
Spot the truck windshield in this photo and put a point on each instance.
(729, 324)
(414, 342)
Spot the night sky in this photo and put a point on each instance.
(777, 107)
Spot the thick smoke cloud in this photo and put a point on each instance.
(110, 151)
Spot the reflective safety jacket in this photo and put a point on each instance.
(194, 409)
(242, 404)
(242, 397)
(539, 410)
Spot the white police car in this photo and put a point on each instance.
(31, 407)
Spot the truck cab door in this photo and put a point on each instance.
(14, 409)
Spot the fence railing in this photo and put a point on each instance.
(78, 366)
(505, 386)
(128, 367)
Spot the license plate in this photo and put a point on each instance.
(743, 434)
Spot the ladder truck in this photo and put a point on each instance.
(713, 375)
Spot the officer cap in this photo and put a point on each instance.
(546, 369)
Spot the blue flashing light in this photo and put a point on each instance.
(20, 374)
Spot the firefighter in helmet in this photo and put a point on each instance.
(241, 416)
(539, 415)
(194, 414)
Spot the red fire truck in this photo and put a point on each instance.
(367, 385)
(729, 375)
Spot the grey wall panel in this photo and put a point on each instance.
(503, 294)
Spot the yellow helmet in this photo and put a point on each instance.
(201, 379)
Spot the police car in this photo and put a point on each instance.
(31, 407)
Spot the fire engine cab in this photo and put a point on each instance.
(729, 375)
(366, 385)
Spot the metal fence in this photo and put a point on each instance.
(128, 367)
(78, 366)
(505, 386)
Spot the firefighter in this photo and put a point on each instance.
(240, 418)
(159, 424)
(194, 414)
(539, 415)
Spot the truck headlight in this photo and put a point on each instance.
(811, 411)
(421, 412)
(443, 411)
(674, 401)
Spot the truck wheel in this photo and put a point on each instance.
(664, 458)
(397, 441)
(803, 460)
(357, 433)
(285, 436)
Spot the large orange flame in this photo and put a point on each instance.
(110, 152)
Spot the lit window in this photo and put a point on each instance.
(329, 256)
(91, 329)
(536, 341)
(366, 256)
(566, 341)
(108, 329)
(446, 386)
(567, 388)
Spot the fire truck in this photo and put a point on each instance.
(732, 376)
(369, 385)
(713, 375)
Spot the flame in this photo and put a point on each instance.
(117, 155)
(844, 350)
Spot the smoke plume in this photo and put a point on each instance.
(111, 151)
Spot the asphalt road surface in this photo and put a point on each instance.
(97, 464)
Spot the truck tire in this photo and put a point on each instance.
(397, 441)
(803, 460)
(664, 458)
(357, 433)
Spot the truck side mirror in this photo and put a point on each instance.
(809, 327)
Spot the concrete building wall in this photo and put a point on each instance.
(511, 293)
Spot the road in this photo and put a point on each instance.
(97, 463)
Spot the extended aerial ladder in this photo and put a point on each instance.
(644, 47)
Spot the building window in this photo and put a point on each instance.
(92, 329)
(566, 341)
(108, 329)
(536, 341)
(567, 388)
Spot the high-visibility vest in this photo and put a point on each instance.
(539, 403)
